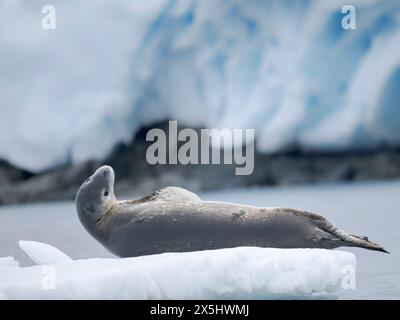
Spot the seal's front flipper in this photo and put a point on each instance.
(175, 194)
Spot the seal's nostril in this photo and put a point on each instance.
(105, 173)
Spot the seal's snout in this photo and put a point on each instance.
(104, 174)
(105, 171)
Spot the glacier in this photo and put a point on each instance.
(285, 68)
(243, 272)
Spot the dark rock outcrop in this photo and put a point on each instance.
(136, 177)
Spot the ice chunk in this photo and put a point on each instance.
(244, 272)
(8, 262)
(42, 253)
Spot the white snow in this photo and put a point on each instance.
(290, 72)
(244, 272)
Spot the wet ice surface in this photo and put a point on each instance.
(370, 209)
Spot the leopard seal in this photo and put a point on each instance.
(173, 219)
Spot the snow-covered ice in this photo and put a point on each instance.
(8, 262)
(244, 272)
(288, 70)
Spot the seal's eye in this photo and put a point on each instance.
(106, 193)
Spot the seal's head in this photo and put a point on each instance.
(96, 196)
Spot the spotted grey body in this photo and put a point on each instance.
(176, 220)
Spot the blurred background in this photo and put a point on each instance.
(324, 102)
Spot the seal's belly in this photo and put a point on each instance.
(201, 227)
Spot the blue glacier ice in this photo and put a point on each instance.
(285, 68)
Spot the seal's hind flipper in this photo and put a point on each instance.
(360, 237)
(347, 239)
